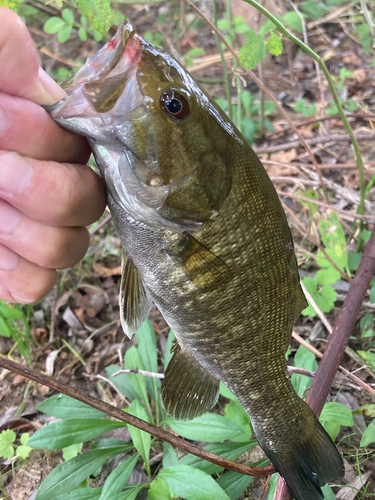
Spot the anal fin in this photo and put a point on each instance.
(188, 389)
(134, 298)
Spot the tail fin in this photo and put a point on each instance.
(309, 461)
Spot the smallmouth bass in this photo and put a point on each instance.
(205, 238)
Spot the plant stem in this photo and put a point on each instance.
(223, 63)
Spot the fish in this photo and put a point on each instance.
(206, 239)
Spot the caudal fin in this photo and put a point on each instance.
(308, 462)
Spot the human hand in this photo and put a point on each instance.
(47, 194)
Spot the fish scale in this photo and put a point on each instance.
(205, 238)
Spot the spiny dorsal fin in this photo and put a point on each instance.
(204, 268)
(188, 390)
(135, 301)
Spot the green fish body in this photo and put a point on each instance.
(205, 238)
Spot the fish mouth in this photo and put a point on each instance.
(98, 85)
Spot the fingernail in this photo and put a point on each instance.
(15, 173)
(8, 259)
(53, 90)
(9, 217)
(3, 121)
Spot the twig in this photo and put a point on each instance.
(316, 308)
(319, 355)
(338, 340)
(134, 421)
(68, 62)
(140, 372)
(322, 166)
(265, 90)
(314, 140)
(100, 377)
(343, 213)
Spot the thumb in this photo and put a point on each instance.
(20, 72)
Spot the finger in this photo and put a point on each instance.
(57, 194)
(19, 63)
(18, 132)
(48, 246)
(22, 281)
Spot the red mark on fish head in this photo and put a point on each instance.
(133, 50)
(112, 43)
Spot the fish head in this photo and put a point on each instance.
(156, 135)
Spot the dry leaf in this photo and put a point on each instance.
(104, 272)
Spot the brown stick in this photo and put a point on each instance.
(134, 421)
(337, 341)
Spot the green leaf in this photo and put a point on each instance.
(122, 382)
(5, 330)
(327, 276)
(10, 312)
(369, 357)
(82, 34)
(236, 412)
(98, 12)
(229, 450)
(369, 434)
(223, 24)
(234, 484)
(53, 25)
(209, 427)
(118, 478)
(324, 298)
(365, 37)
(61, 406)
(159, 490)
(141, 439)
(328, 493)
(70, 474)
(303, 359)
(293, 20)
(64, 33)
(253, 51)
(333, 416)
(147, 350)
(192, 484)
(72, 451)
(314, 10)
(23, 451)
(354, 259)
(169, 456)
(366, 322)
(368, 410)
(71, 431)
(168, 347)
(9, 4)
(133, 361)
(372, 294)
(224, 391)
(81, 494)
(7, 438)
(274, 44)
(68, 16)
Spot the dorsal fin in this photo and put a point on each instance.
(188, 390)
(134, 298)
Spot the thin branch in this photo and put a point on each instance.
(319, 355)
(140, 372)
(134, 421)
(266, 91)
(317, 309)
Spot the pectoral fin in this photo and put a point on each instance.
(135, 301)
(203, 267)
(188, 390)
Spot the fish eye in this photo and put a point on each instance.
(175, 104)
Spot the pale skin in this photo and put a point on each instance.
(47, 194)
